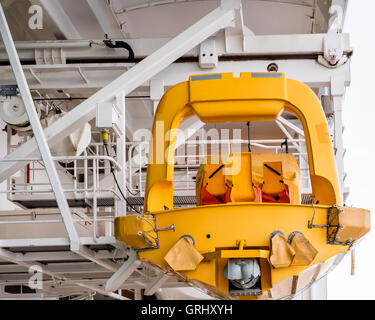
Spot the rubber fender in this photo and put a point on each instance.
(305, 251)
(183, 256)
(281, 253)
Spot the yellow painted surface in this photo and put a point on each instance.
(242, 182)
(250, 253)
(216, 184)
(273, 183)
(220, 227)
(130, 234)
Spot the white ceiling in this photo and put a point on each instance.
(87, 16)
(85, 19)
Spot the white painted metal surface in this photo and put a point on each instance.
(38, 131)
(143, 71)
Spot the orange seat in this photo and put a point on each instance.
(211, 184)
(273, 188)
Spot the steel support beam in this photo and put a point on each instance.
(124, 272)
(121, 152)
(291, 126)
(143, 71)
(337, 93)
(290, 138)
(156, 284)
(66, 256)
(68, 268)
(103, 292)
(39, 137)
(106, 18)
(304, 70)
(12, 257)
(286, 45)
(99, 75)
(90, 255)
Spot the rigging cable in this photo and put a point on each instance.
(248, 136)
(105, 142)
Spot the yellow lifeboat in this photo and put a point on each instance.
(249, 235)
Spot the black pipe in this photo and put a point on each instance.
(121, 44)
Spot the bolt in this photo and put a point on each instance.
(272, 67)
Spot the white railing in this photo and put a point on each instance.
(87, 166)
(187, 163)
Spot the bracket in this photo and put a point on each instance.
(124, 272)
(237, 34)
(331, 236)
(147, 235)
(108, 116)
(208, 58)
(333, 54)
(50, 56)
(333, 47)
(9, 90)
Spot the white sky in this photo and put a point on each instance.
(359, 161)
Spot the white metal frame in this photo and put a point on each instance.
(141, 72)
(38, 131)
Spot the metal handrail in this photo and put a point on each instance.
(87, 192)
(60, 158)
(110, 219)
(191, 168)
(65, 190)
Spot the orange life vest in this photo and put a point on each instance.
(208, 198)
(258, 194)
(281, 197)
